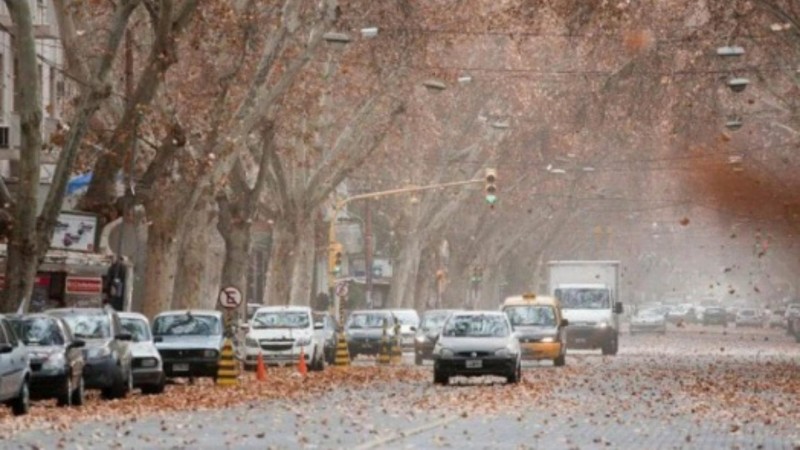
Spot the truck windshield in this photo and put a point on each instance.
(589, 298)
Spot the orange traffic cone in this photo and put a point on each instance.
(261, 370)
(301, 363)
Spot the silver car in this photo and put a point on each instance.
(648, 321)
(190, 342)
(14, 370)
(477, 343)
(148, 370)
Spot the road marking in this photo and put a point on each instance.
(380, 442)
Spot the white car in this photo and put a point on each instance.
(148, 369)
(648, 320)
(280, 333)
(409, 323)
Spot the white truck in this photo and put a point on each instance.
(589, 296)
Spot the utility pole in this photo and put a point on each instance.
(368, 251)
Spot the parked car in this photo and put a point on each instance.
(775, 318)
(429, 328)
(15, 372)
(364, 329)
(326, 329)
(148, 369)
(681, 314)
(749, 317)
(409, 322)
(281, 334)
(189, 342)
(477, 343)
(56, 358)
(648, 321)
(715, 315)
(792, 311)
(107, 351)
(540, 327)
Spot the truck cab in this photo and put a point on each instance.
(587, 292)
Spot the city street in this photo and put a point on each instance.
(693, 388)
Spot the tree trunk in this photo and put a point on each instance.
(162, 263)
(190, 281)
(237, 258)
(405, 273)
(280, 262)
(22, 258)
(304, 258)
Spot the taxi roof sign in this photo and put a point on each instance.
(529, 296)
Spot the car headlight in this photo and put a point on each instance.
(504, 352)
(149, 362)
(602, 325)
(250, 342)
(421, 338)
(446, 353)
(98, 352)
(210, 353)
(54, 361)
(302, 342)
(548, 339)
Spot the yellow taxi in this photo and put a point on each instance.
(540, 326)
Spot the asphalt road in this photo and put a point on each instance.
(693, 388)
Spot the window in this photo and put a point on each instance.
(3, 88)
(9, 332)
(3, 337)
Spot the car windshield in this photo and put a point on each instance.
(583, 298)
(281, 319)
(87, 325)
(479, 325)
(138, 329)
(434, 321)
(38, 331)
(368, 320)
(531, 315)
(186, 325)
(407, 318)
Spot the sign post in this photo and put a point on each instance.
(229, 298)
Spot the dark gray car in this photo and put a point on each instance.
(56, 358)
(14, 370)
(477, 343)
(364, 330)
(107, 351)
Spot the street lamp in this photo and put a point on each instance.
(434, 85)
(738, 84)
(336, 38)
(730, 51)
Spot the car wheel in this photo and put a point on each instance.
(610, 347)
(152, 389)
(439, 377)
(79, 393)
(560, 361)
(418, 360)
(65, 398)
(21, 404)
(318, 363)
(516, 375)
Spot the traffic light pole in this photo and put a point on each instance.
(343, 202)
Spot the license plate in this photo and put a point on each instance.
(474, 364)
(180, 367)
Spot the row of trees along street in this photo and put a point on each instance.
(224, 114)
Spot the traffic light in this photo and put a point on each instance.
(335, 258)
(491, 188)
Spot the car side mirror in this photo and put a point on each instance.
(564, 322)
(77, 343)
(6, 348)
(414, 329)
(124, 337)
(158, 339)
(319, 326)
(618, 308)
